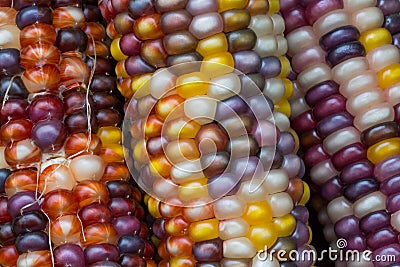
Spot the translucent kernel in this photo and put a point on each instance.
(258, 212)
(263, 235)
(204, 230)
(192, 84)
(211, 45)
(193, 190)
(217, 64)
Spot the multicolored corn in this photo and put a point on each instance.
(207, 129)
(70, 201)
(348, 73)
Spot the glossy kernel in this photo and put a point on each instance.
(375, 38)
(204, 230)
(389, 76)
(383, 150)
(258, 212)
(262, 235)
(192, 84)
(211, 45)
(224, 5)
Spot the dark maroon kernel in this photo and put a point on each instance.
(131, 244)
(131, 260)
(101, 83)
(20, 4)
(344, 52)
(332, 189)
(304, 122)
(78, 122)
(301, 213)
(389, 6)
(347, 227)
(34, 14)
(360, 188)
(383, 237)
(135, 65)
(392, 250)
(210, 250)
(21, 203)
(75, 101)
(14, 109)
(68, 255)
(348, 155)
(105, 100)
(357, 171)
(315, 155)
(16, 90)
(121, 207)
(9, 62)
(375, 221)
(71, 39)
(101, 252)
(391, 185)
(356, 242)
(62, 3)
(320, 91)
(7, 236)
(130, 45)
(393, 203)
(46, 107)
(294, 18)
(103, 65)
(33, 241)
(339, 36)
(29, 222)
(120, 189)
(315, 9)
(108, 117)
(92, 13)
(334, 123)
(379, 133)
(49, 135)
(330, 105)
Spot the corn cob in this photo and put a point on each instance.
(354, 72)
(76, 87)
(192, 228)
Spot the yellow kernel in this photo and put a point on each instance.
(274, 6)
(110, 135)
(257, 213)
(283, 106)
(263, 235)
(285, 225)
(192, 84)
(152, 205)
(204, 230)
(194, 189)
(375, 38)
(217, 64)
(285, 66)
(116, 52)
(224, 5)
(214, 44)
(383, 150)
(389, 76)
